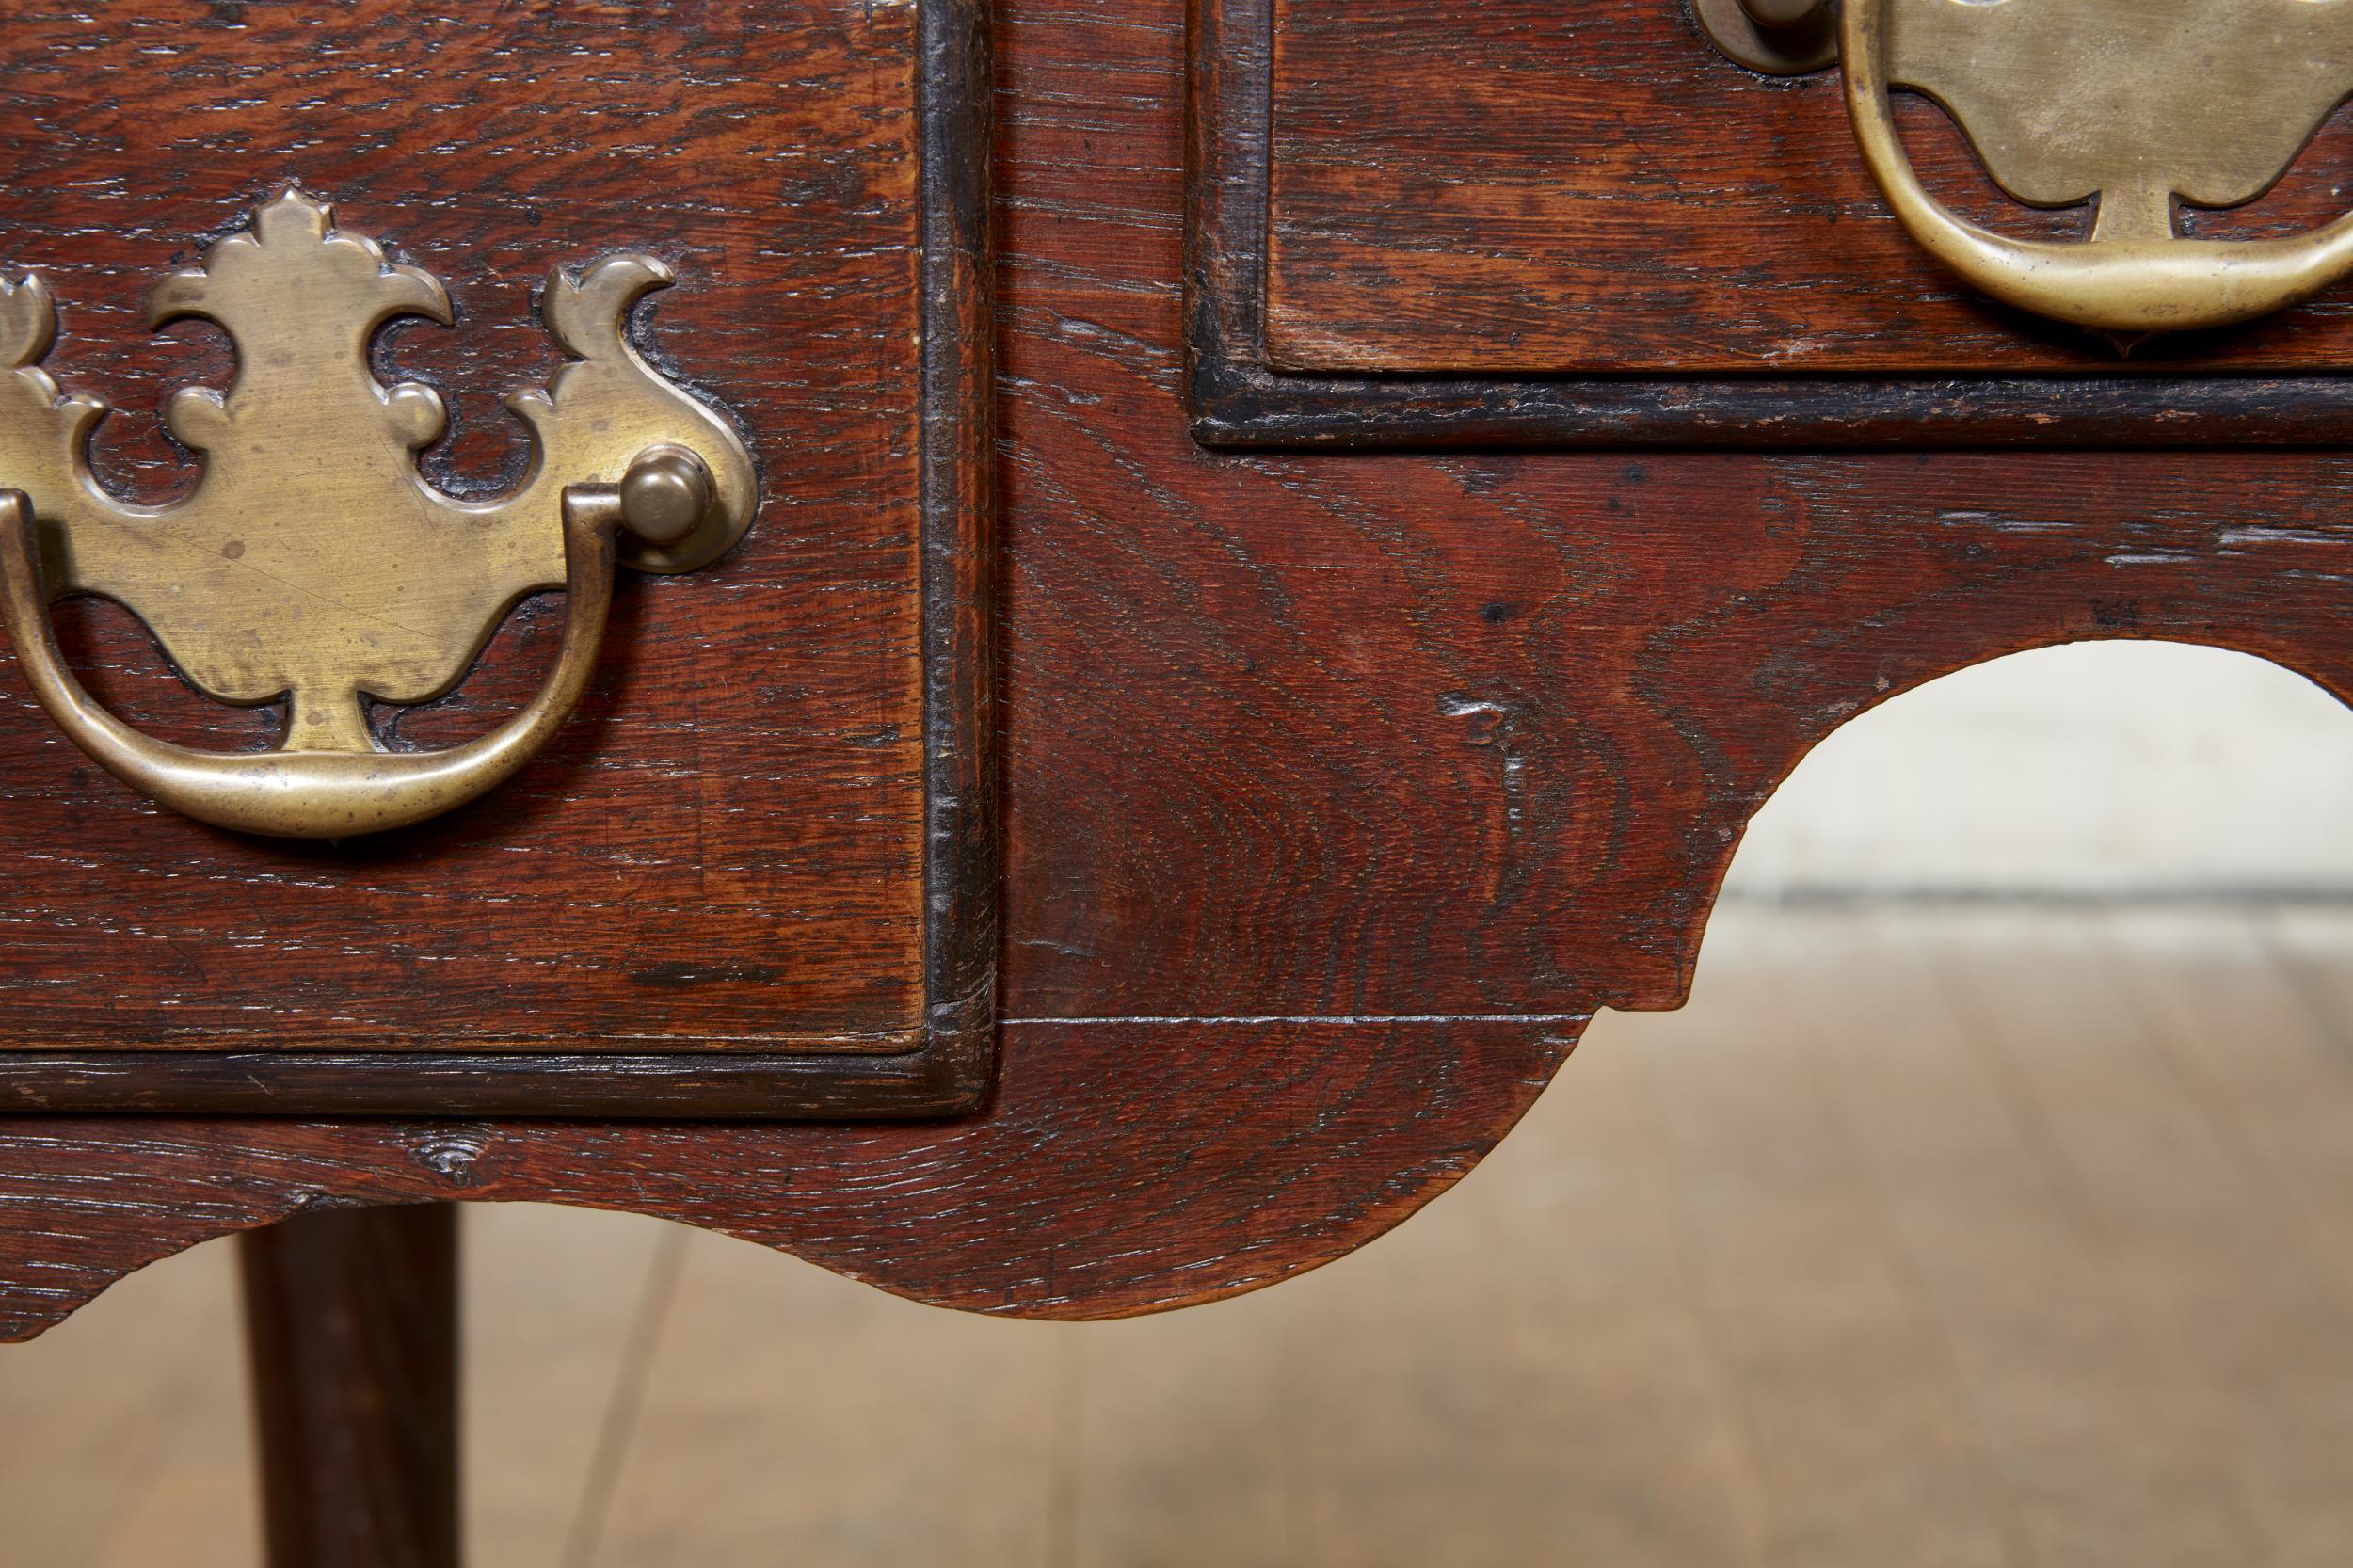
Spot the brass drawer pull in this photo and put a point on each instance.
(2136, 102)
(313, 562)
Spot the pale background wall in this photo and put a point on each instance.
(2133, 769)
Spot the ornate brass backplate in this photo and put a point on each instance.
(314, 563)
(2138, 105)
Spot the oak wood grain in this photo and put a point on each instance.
(1120, 1168)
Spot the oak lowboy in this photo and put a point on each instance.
(1444, 465)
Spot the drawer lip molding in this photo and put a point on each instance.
(949, 1073)
(946, 1065)
(1237, 399)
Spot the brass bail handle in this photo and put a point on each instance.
(2203, 101)
(312, 564)
(335, 794)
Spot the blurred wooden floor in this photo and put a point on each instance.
(1933, 1236)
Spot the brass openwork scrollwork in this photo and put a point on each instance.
(314, 563)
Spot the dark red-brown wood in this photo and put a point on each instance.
(1339, 788)
(723, 849)
(352, 1326)
(755, 878)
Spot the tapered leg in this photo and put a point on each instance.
(353, 1320)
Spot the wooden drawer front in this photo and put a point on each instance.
(1595, 188)
(750, 875)
(1582, 224)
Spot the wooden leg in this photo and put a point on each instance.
(352, 1316)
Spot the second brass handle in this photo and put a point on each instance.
(2122, 286)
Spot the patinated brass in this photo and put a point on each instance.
(2134, 101)
(314, 563)
(2140, 106)
(1781, 37)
